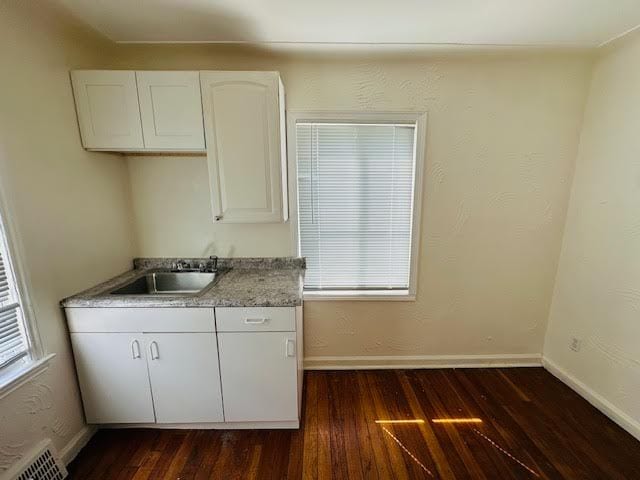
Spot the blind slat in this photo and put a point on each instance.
(355, 189)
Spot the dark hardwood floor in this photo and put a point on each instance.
(528, 425)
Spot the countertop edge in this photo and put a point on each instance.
(279, 285)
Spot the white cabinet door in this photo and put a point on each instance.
(185, 377)
(171, 110)
(108, 111)
(112, 371)
(259, 376)
(243, 114)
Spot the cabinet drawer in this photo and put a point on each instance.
(256, 319)
(140, 319)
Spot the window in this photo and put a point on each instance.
(356, 195)
(14, 341)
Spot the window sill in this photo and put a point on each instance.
(14, 377)
(360, 295)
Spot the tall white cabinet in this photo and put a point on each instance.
(244, 123)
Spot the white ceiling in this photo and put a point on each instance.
(558, 23)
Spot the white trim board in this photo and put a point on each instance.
(379, 362)
(594, 398)
(77, 443)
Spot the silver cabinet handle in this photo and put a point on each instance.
(255, 321)
(154, 351)
(290, 348)
(135, 349)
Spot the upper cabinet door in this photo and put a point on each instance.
(108, 112)
(244, 117)
(171, 110)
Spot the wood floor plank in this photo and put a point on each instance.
(376, 435)
(310, 442)
(475, 464)
(346, 407)
(426, 430)
(533, 426)
(324, 461)
(375, 382)
(500, 424)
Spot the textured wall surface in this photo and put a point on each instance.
(501, 144)
(597, 293)
(71, 208)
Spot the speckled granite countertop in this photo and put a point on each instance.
(241, 282)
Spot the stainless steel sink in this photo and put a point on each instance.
(167, 283)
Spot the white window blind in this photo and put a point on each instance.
(13, 341)
(356, 185)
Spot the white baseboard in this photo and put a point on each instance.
(77, 443)
(378, 362)
(595, 399)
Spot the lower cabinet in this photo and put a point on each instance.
(259, 376)
(182, 365)
(185, 380)
(125, 378)
(112, 371)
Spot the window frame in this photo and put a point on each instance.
(419, 119)
(17, 373)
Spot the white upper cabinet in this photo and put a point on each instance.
(126, 111)
(244, 122)
(171, 110)
(107, 107)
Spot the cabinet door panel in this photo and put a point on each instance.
(185, 378)
(171, 110)
(242, 123)
(259, 376)
(112, 372)
(107, 107)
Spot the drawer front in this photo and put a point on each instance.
(140, 319)
(256, 319)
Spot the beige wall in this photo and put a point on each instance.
(501, 144)
(71, 208)
(597, 293)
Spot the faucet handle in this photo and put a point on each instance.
(181, 265)
(213, 261)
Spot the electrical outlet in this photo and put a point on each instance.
(575, 344)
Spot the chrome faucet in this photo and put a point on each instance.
(210, 266)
